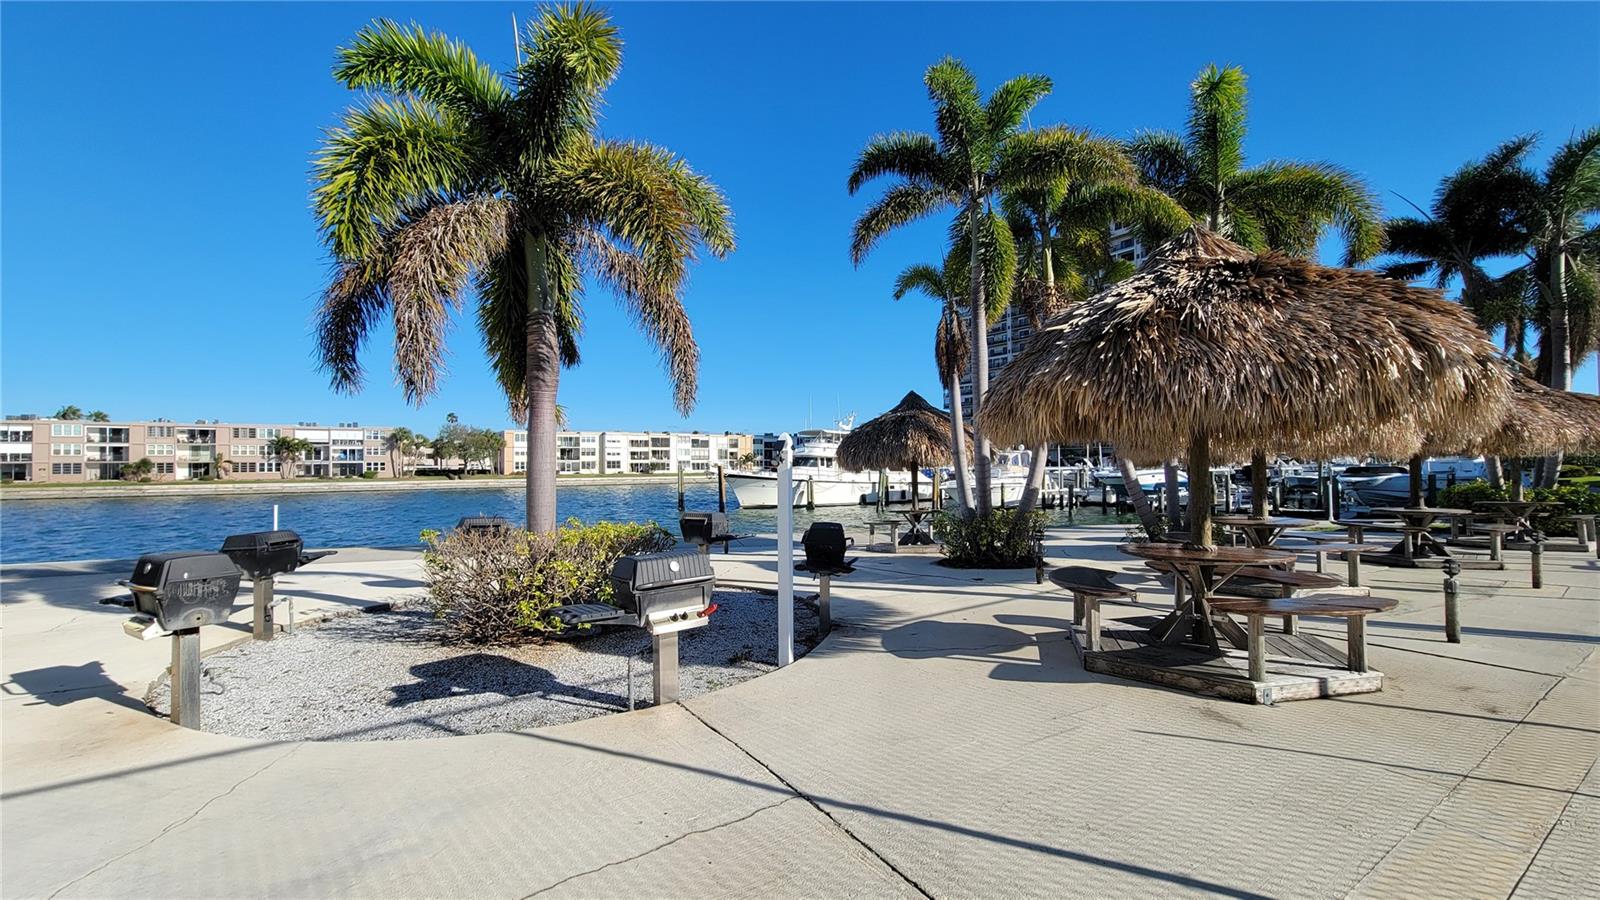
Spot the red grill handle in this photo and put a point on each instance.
(708, 611)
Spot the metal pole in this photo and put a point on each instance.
(786, 551)
(722, 489)
(274, 517)
(185, 677)
(1538, 559)
(665, 677)
(824, 610)
(1452, 601)
(680, 487)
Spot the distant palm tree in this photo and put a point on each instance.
(1278, 205)
(99, 416)
(1471, 220)
(69, 412)
(450, 172)
(1564, 256)
(396, 442)
(287, 450)
(979, 150)
(223, 466)
(138, 469)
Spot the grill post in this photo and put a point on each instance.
(665, 676)
(185, 677)
(261, 594)
(824, 599)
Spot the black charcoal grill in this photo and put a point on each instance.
(183, 590)
(482, 524)
(702, 529)
(262, 556)
(825, 545)
(663, 593)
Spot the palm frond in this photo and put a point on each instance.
(353, 302)
(387, 56)
(913, 156)
(570, 54)
(997, 254)
(1216, 122)
(922, 277)
(1012, 101)
(900, 205)
(958, 114)
(651, 297)
(1165, 163)
(1040, 158)
(1573, 175)
(630, 191)
(388, 158)
(1294, 201)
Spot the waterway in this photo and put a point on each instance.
(126, 527)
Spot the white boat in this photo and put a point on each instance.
(817, 478)
(1008, 478)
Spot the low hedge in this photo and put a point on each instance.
(1001, 540)
(1572, 501)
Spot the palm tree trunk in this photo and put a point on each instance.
(1136, 495)
(1415, 482)
(1258, 483)
(543, 377)
(1496, 475)
(980, 362)
(1169, 473)
(958, 445)
(1560, 348)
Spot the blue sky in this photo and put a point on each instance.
(159, 256)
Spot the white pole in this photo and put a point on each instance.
(274, 517)
(786, 552)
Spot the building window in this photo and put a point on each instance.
(159, 450)
(16, 435)
(164, 468)
(66, 431)
(270, 465)
(270, 433)
(520, 465)
(377, 466)
(244, 433)
(158, 431)
(66, 449)
(66, 468)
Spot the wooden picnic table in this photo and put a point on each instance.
(1416, 541)
(1517, 512)
(1259, 531)
(917, 533)
(1203, 569)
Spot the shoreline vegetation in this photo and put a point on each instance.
(74, 490)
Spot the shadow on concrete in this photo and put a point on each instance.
(487, 673)
(60, 685)
(1381, 625)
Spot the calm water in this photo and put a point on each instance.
(123, 527)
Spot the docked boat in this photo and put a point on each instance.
(817, 478)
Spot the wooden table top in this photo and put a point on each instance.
(1513, 504)
(1275, 521)
(1419, 511)
(1179, 553)
(1306, 605)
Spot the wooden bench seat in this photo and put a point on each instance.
(1319, 537)
(893, 525)
(1088, 587)
(1497, 537)
(1354, 610)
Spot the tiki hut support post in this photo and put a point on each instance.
(1258, 483)
(1201, 494)
(914, 472)
(1415, 465)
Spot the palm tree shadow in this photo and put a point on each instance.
(487, 673)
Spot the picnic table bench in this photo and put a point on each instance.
(1088, 587)
(1262, 583)
(1497, 537)
(1354, 610)
(893, 526)
(1584, 523)
(1352, 557)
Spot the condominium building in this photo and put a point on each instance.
(630, 452)
(35, 449)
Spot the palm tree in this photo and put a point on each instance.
(1278, 205)
(69, 412)
(979, 150)
(223, 466)
(396, 442)
(286, 450)
(449, 172)
(1564, 250)
(138, 469)
(99, 415)
(1071, 222)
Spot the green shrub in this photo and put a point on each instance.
(501, 586)
(1001, 540)
(1463, 495)
(1571, 471)
(369, 474)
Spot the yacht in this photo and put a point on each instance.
(817, 478)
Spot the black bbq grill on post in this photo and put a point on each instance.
(180, 592)
(262, 556)
(825, 545)
(702, 529)
(663, 593)
(483, 524)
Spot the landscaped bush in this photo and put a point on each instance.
(501, 586)
(1001, 540)
(1573, 500)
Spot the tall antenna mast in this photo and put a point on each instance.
(516, 38)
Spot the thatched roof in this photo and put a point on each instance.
(1538, 421)
(1269, 351)
(912, 435)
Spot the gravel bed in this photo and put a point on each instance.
(390, 675)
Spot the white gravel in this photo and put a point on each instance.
(389, 676)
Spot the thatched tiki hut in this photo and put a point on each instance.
(1210, 345)
(1537, 421)
(912, 435)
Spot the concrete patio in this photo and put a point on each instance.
(943, 741)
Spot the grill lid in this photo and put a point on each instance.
(261, 541)
(156, 570)
(648, 571)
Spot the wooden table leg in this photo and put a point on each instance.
(1257, 648)
(1093, 626)
(1356, 643)
(1352, 563)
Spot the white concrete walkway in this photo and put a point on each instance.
(943, 741)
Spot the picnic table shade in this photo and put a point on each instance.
(1212, 345)
(912, 435)
(1537, 421)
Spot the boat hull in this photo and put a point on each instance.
(759, 490)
